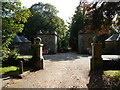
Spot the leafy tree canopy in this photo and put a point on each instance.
(46, 10)
(45, 19)
(79, 20)
(12, 17)
(96, 17)
(102, 15)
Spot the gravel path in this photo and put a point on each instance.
(68, 70)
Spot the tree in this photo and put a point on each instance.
(45, 10)
(45, 19)
(12, 17)
(102, 15)
(78, 23)
(96, 17)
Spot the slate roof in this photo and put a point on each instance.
(114, 37)
(23, 39)
(118, 39)
(20, 39)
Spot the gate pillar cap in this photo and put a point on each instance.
(38, 40)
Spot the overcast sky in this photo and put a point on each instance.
(66, 8)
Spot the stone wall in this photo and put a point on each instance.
(21, 44)
(24, 48)
(112, 47)
(84, 42)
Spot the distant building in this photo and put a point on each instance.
(49, 39)
(84, 42)
(21, 44)
(112, 44)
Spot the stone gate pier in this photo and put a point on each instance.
(96, 60)
(37, 53)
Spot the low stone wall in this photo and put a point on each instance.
(111, 64)
(112, 47)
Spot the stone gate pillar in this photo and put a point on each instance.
(37, 54)
(96, 60)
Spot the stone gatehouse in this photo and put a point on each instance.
(49, 39)
(84, 42)
(21, 44)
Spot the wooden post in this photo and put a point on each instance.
(20, 67)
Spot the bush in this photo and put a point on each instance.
(12, 59)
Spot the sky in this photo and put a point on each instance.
(66, 8)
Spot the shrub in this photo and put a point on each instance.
(12, 58)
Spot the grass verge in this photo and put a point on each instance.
(12, 70)
(113, 73)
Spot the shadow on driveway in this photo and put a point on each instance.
(64, 56)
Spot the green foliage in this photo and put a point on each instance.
(8, 69)
(117, 76)
(46, 10)
(45, 19)
(78, 23)
(102, 15)
(13, 55)
(96, 17)
(12, 58)
(113, 73)
(12, 17)
(64, 43)
(12, 70)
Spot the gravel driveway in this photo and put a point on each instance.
(66, 70)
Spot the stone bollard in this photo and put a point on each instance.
(96, 60)
(20, 67)
(37, 56)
